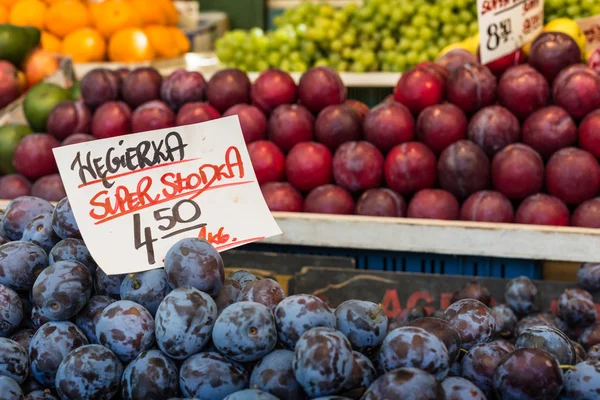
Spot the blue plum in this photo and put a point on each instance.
(39, 231)
(521, 295)
(88, 317)
(334, 397)
(583, 382)
(108, 285)
(146, 288)
(363, 375)
(10, 389)
(31, 385)
(245, 331)
(38, 318)
(479, 364)
(455, 369)
(151, 376)
(251, 394)
(14, 361)
(265, 291)
(412, 347)
(73, 250)
(405, 384)
(62, 290)
(506, 320)
(11, 310)
(550, 339)
(195, 262)
(444, 331)
(19, 212)
(126, 328)
(297, 314)
(89, 372)
(49, 346)
(505, 344)
(593, 353)
(63, 220)
(588, 276)
(580, 353)
(41, 395)
(363, 322)
(2, 233)
(275, 374)
(323, 361)
(473, 321)
(20, 264)
(184, 322)
(244, 277)
(228, 294)
(210, 376)
(457, 388)
(576, 307)
(23, 338)
(590, 336)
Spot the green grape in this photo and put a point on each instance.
(412, 57)
(419, 20)
(411, 32)
(588, 4)
(321, 62)
(434, 24)
(446, 15)
(434, 12)
(336, 45)
(418, 45)
(388, 43)
(262, 65)
(397, 15)
(404, 44)
(274, 58)
(343, 66)
(358, 67)
(454, 39)
(347, 53)
(573, 11)
(473, 27)
(466, 16)
(461, 30)
(426, 33)
(447, 30)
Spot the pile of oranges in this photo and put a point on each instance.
(100, 30)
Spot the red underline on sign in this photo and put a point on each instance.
(239, 242)
(193, 193)
(113, 177)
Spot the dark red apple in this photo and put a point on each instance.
(252, 121)
(381, 203)
(410, 167)
(463, 169)
(141, 86)
(329, 199)
(548, 130)
(388, 125)
(471, 87)
(228, 87)
(418, 89)
(493, 128)
(587, 215)
(268, 161)
(13, 186)
(523, 90)
(320, 87)
(577, 90)
(433, 204)
(551, 52)
(290, 124)
(573, 175)
(440, 125)
(358, 166)
(151, 116)
(111, 119)
(518, 171)
(308, 165)
(272, 89)
(195, 113)
(33, 157)
(281, 196)
(338, 124)
(68, 118)
(589, 133)
(487, 206)
(542, 209)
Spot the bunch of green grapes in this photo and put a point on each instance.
(574, 9)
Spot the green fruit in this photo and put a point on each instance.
(16, 42)
(10, 136)
(40, 101)
(75, 91)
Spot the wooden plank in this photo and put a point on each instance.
(560, 271)
(397, 292)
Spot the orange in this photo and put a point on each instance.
(162, 41)
(3, 14)
(28, 13)
(8, 3)
(150, 12)
(66, 16)
(85, 45)
(181, 40)
(50, 42)
(38, 65)
(111, 16)
(169, 11)
(130, 45)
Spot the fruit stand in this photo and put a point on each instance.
(437, 189)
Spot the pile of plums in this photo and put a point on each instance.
(69, 331)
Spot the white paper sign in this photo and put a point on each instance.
(591, 28)
(135, 196)
(507, 25)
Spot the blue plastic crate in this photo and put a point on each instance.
(419, 262)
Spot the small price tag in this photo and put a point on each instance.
(591, 28)
(507, 25)
(135, 196)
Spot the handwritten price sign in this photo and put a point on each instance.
(507, 25)
(135, 196)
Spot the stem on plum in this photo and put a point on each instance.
(464, 351)
(571, 367)
(136, 284)
(374, 314)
